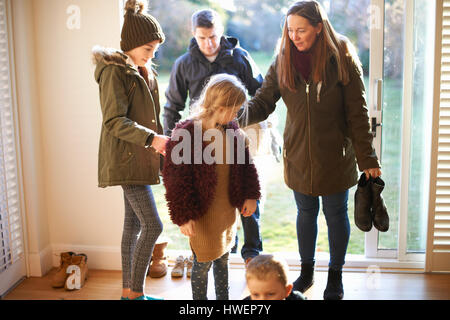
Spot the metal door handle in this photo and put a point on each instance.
(375, 125)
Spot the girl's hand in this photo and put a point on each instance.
(159, 144)
(249, 207)
(188, 228)
(373, 172)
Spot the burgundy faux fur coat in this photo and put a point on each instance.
(190, 187)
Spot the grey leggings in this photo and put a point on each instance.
(141, 229)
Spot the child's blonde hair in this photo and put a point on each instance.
(222, 90)
(266, 266)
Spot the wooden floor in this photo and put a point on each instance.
(106, 285)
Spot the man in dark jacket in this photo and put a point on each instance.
(210, 53)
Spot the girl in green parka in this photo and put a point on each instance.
(319, 77)
(131, 143)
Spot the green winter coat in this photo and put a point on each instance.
(130, 113)
(327, 130)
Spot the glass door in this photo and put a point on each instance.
(400, 104)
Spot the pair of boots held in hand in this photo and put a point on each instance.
(369, 205)
(67, 275)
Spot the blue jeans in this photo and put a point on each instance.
(252, 238)
(335, 211)
(199, 278)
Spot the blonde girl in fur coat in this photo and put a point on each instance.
(204, 190)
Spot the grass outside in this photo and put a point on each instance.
(278, 221)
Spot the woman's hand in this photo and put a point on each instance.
(188, 228)
(373, 172)
(159, 144)
(249, 207)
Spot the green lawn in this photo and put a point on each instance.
(278, 222)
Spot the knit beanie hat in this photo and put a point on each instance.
(139, 28)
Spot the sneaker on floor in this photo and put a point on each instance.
(178, 269)
(189, 262)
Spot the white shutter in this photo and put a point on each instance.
(438, 248)
(11, 236)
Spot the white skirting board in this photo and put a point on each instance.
(40, 262)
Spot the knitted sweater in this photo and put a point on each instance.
(302, 63)
(215, 231)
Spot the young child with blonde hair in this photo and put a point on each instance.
(214, 178)
(267, 279)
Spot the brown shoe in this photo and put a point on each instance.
(79, 260)
(60, 276)
(158, 266)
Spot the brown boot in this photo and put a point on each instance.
(60, 276)
(158, 267)
(79, 260)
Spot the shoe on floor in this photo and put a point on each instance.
(178, 269)
(189, 262)
(60, 277)
(158, 266)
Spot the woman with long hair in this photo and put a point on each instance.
(318, 75)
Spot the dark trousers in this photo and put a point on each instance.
(335, 211)
(252, 238)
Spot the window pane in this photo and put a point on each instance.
(420, 123)
(392, 118)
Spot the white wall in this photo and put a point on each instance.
(60, 124)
